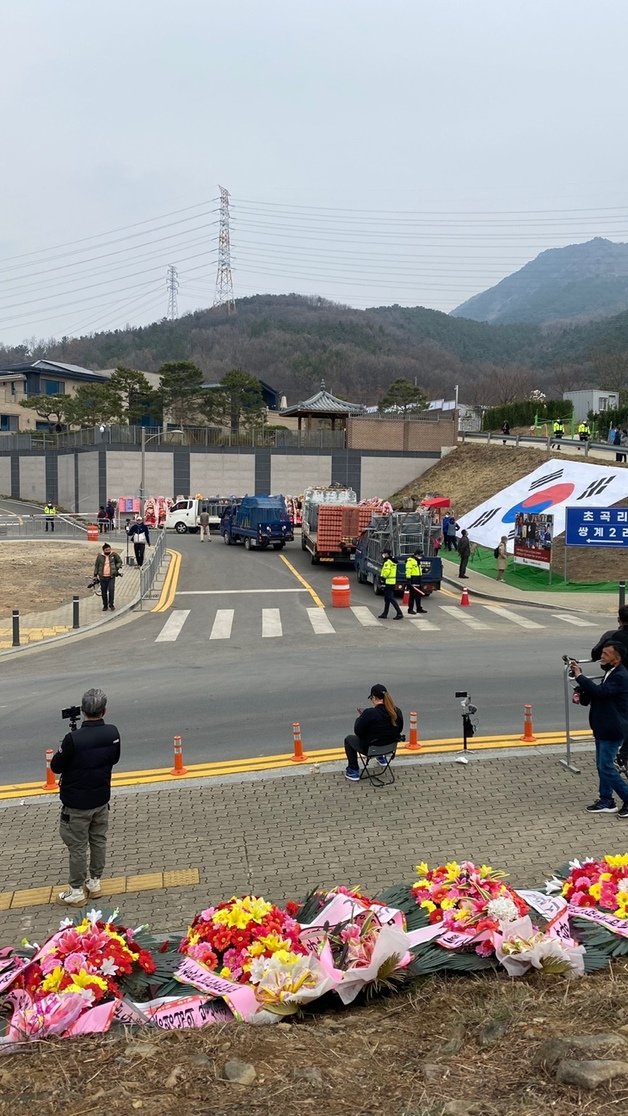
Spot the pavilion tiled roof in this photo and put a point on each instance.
(324, 403)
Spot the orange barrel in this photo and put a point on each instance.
(93, 534)
(340, 592)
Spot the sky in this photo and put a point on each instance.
(405, 152)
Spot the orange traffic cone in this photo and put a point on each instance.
(406, 597)
(528, 728)
(413, 744)
(464, 600)
(178, 768)
(298, 756)
(51, 782)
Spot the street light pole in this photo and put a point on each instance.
(143, 471)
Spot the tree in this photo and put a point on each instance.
(52, 408)
(403, 396)
(237, 402)
(181, 391)
(91, 405)
(134, 396)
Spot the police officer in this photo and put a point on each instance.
(558, 429)
(388, 575)
(50, 512)
(584, 432)
(413, 579)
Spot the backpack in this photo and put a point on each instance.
(496, 552)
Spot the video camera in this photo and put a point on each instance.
(93, 583)
(72, 714)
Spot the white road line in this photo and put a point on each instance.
(575, 620)
(365, 616)
(427, 625)
(513, 617)
(223, 622)
(462, 615)
(231, 592)
(320, 621)
(271, 623)
(173, 625)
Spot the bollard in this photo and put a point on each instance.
(413, 744)
(75, 612)
(51, 782)
(16, 627)
(622, 594)
(298, 756)
(464, 599)
(178, 768)
(528, 728)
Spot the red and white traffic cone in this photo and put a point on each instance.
(528, 728)
(298, 755)
(413, 744)
(51, 782)
(178, 768)
(464, 599)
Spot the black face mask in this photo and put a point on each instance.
(608, 666)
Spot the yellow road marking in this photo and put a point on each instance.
(220, 768)
(313, 594)
(119, 885)
(169, 588)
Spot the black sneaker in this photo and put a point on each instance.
(399, 616)
(382, 616)
(600, 807)
(623, 811)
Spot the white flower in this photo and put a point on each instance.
(623, 884)
(93, 916)
(580, 864)
(554, 885)
(108, 967)
(502, 910)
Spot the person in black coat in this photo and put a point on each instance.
(139, 536)
(381, 724)
(608, 717)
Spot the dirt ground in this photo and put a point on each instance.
(451, 1046)
(473, 474)
(39, 575)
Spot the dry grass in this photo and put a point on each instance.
(40, 575)
(472, 474)
(473, 1038)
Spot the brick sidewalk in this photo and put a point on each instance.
(279, 836)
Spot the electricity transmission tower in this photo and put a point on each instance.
(224, 279)
(172, 286)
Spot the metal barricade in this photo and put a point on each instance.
(567, 761)
(150, 569)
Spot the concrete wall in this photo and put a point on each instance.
(124, 472)
(222, 474)
(291, 474)
(5, 476)
(88, 482)
(33, 478)
(67, 494)
(381, 476)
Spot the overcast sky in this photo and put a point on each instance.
(376, 152)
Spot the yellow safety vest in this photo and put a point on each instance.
(388, 572)
(559, 428)
(413, 568)
(50, 509)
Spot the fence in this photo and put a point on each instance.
(207, 437)
(34, 526)
(489, 437)
(150, 569)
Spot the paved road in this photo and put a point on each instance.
(248, 660)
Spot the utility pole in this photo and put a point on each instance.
(172, 286)
(224, 279)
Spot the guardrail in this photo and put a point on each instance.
(150, 569)
(34, 526)
(488, 437)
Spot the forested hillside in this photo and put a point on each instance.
(293, 342)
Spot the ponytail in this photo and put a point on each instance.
(390, 708)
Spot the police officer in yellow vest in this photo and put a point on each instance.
(558, 429)
(413, 579)
(50, 512)
(388, 575)
(584, 432)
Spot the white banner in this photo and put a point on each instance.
(550, 488)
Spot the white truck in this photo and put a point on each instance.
(184, 514)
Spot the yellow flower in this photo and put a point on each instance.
(83, 979)
(485, 871)
(422, 869)
(422, 883)
(53, 980)
(242, 912)
(269, 943)
(617, 861)
(595, 890)
(428, 905)
(225, 971)
(453, 870)
(193, 937)
(447, 904)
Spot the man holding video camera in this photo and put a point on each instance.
(84, 761)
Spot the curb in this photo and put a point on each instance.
(508, 601)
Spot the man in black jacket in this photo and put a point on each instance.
(84, 762)
(381, 724)
(608, 717)
(618, 635)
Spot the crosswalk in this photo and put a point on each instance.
(270, 624)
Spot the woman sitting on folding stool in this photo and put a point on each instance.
(381, 724)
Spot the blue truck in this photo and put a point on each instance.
(402, 534)
(258, 522)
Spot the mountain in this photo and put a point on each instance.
(576, 283)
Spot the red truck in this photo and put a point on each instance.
(332, 523)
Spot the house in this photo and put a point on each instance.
(591, 399)
(37, 377)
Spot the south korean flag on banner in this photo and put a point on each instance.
(551, 488)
